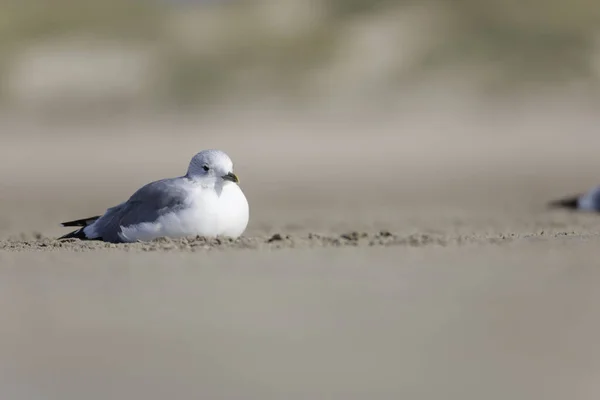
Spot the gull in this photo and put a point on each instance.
(589, 201)
(206, 201)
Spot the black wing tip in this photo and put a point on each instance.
(571, 203)
(78, 234)
(81, 222)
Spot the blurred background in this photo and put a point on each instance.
(99, 97)
(120, 56)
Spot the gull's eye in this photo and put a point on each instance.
(205, 168)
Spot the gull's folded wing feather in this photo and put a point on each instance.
(145, 205)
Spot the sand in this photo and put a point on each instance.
(407, 256)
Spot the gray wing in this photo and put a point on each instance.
(145, 205)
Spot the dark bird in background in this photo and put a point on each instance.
(589, 201)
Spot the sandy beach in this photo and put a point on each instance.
(405, 255)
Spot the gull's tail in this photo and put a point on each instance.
(79, 233)
(571, 203)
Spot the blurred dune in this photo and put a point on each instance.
(90, 55)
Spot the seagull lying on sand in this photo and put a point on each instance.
(206, 201)
(589, 201)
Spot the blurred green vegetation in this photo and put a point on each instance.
(22, 21)
(531, 41)
(348, 8)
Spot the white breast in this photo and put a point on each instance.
(209, 214)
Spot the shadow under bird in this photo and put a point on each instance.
(206, 201)
(589, 201)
